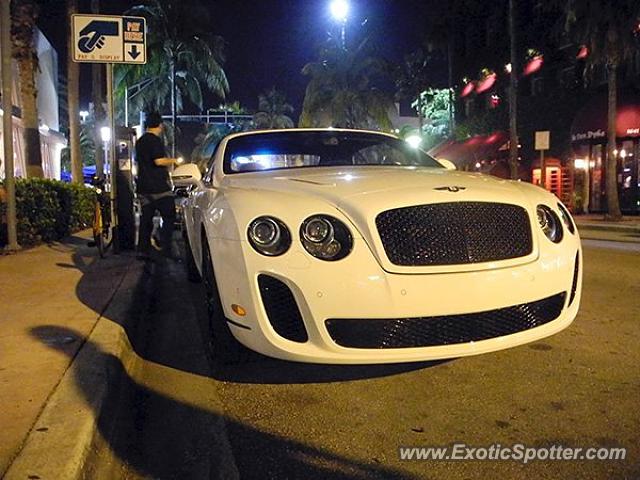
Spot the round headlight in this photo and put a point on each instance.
(265, 232)
(566, 218)
(317, 230)
(549, 223)
(269, 236)
(326, 238)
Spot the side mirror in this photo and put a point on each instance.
(448, 164)
(186, 175)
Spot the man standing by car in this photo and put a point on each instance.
(154, 187)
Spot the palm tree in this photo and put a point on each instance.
(23, 24)
(412, 78)
(182, 56)
(606, 28)
(340, 92)
(273, 111)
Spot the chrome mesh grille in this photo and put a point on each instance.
(446, 329)
(454, 233)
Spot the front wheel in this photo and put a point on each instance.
(193, 275)
(224, 347)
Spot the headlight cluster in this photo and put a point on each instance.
(549, 223)
(323, 236)
(566, 218)
(269, 236)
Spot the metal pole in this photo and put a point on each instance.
(126, 106)
(543, 171)
(7, 126)
(113, 162)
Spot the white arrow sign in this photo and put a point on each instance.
(109, 39)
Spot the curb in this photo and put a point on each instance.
(608, 228)
(586, 235)
(69, 419)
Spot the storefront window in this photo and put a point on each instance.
(628, 178)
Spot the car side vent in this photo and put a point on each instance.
(282, 310)
(574, 285)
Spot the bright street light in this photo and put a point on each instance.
(83, 115)
(340, 10)
(413, 140)
(105, 134)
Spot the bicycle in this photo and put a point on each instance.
(102, 231)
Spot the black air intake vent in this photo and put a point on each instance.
(446, 329)
(282, 309)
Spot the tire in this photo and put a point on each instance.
(224, 348)
(193, 275)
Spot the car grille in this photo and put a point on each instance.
(446, 329)
(454, 233)
(282, 310)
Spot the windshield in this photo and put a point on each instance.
(304, 149)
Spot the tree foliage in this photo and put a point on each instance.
(433, 105)
(341, 91)
(412, 79)
(608, 28)
(182, 55)
(273, 111)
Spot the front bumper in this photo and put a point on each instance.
(358, 288)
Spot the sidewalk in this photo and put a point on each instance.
(594, 227)
(48, 289)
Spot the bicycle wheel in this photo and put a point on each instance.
(107, 236)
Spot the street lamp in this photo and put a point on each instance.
(414, 140)
(83, 115)
(105, 135)
(340, 11)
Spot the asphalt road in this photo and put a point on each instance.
(186, 416)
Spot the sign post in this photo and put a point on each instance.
(542, 144)
(109, 39)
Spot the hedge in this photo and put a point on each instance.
(47, 210)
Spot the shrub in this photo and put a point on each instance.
(47, 210)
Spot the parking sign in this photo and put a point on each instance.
(109, 39)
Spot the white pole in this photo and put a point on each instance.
(112, 159)
(7, 126)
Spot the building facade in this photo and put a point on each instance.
(51, 140)
(554, 94)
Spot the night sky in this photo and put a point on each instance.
(270, 41)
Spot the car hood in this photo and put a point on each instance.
(361, 193)
(379, 188)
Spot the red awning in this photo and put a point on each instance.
(475, 149)
(591, 121)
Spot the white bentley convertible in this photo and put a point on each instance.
(344, 246)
